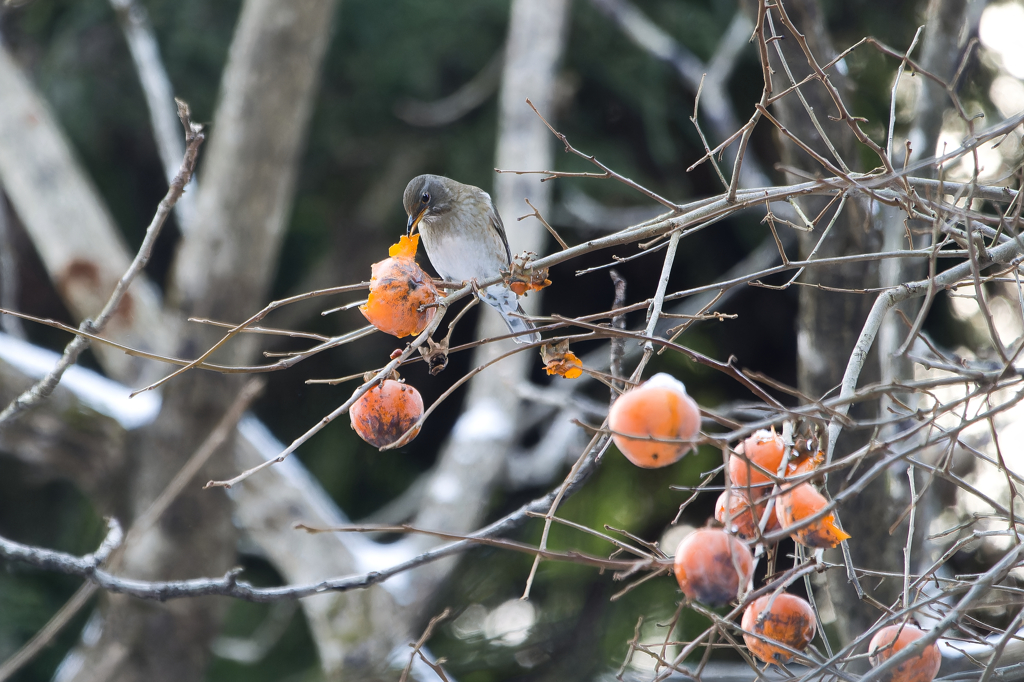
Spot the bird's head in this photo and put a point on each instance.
(426, 195)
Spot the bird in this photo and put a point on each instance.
(465, 241)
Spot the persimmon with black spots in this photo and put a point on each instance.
(782, 618)
(384, 413)
(711, 566)
(400, 292)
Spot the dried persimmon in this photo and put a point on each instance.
(782, 618)
(402, 295)
(800, 502)
(384, 413)
(523, 278)
(892, 639)
(711, 566)
(644, 418)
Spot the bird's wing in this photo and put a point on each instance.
(499, 227)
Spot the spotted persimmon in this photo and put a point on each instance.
(765, 449)
(782, 618)
(399, 290)
(744, 522)
(892, 639)
(657, 409)
(384, 413)
(711, 566)
(795, 504)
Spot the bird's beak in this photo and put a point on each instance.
(414, 220)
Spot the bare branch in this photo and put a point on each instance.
(193, 139)
(159, 92)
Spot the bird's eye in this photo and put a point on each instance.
(425, 198)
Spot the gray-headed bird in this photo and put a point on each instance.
(465, 241)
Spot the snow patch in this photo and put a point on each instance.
(666, 381)
(93, 390)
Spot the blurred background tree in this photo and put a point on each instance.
(407, 88)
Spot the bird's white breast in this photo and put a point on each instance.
(463, 244)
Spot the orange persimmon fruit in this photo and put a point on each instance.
(659, 408)
(765, 449)
(804, 464)
(712, 565)
(385, 412)
(398, 289)
(744, 522)
(783, 618)
(801, 501)
(888, 641)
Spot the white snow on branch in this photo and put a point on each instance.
(92, 389)
(110, 398)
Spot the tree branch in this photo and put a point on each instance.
(42, 390)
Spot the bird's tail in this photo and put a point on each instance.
(505, 302)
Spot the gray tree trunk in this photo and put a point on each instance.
(223, 270)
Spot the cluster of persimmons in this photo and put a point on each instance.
(654, 425)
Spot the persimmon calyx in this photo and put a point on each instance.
(522, 277)
(435, 354)
(393, 376)
(558, 359)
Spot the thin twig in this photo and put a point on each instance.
(536, 214)
(617, 347)
(44, 387)
(428, 632)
